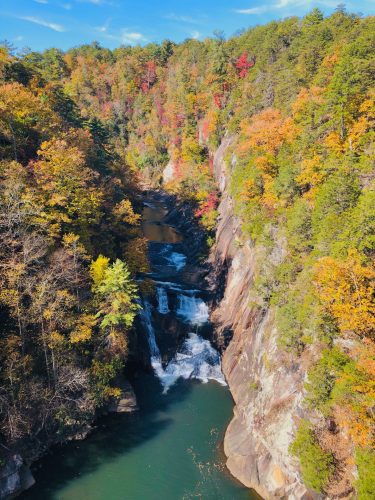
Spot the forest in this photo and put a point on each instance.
(83, 131)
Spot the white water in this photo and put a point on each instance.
(175, 259)
(197, 358)
(192, 309)
(178, 260)
(176, 287)
(154, 349)
(162, 297)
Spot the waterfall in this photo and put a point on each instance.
(197, 358)
(175, 259)
(154, 349)
(162, 297)
(178, 260)
(192, 309)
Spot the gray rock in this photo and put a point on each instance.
(15, 477)
(127, 402)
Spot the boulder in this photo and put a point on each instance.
(126, 402)
(15, 477)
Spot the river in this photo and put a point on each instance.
(170, 449)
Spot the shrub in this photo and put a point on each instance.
(322, 377)
(365, 485)
(317, 465)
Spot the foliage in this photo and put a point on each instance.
(117, 294)
(65, 197)
(347, 290)
(79, 129)
(366, 471)
(316, 464)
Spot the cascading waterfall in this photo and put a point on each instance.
(197, 358)
(178, 260)
(192, 309)
(162, 296)
(154, 349)
(174, 259)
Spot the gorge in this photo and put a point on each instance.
(171, 447)
(187, 274)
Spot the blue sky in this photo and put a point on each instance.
(40, 24)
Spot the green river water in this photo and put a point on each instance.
(170, 450)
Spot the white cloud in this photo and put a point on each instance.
(42, 22)
(283, 4)
(104, 28)
(195, 35)
(18, 38)
(132, 37)
(253, 10)
(125, 36)
(66, 6)
(97, 2)
(182, 19)
(41, 1)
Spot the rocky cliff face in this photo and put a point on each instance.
(266, 385)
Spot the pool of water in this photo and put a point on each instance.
(169, 450)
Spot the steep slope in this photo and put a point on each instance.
(266, 382)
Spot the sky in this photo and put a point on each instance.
(40, 24)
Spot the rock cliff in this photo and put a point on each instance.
(267, 386)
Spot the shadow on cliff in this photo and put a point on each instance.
(115, 435)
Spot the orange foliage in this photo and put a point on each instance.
(209, 123)
(364, 124)
(306, 102)
(250, 190)
(311, 174)
(269, 198)
(267, 131)
(347, 290)
(334, 143)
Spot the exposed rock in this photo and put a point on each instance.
(82, 434)
(127, 402)
(15, 477)
(267, 386)
(169, 172)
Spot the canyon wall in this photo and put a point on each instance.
(266, 384)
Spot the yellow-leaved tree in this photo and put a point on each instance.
(347, 288)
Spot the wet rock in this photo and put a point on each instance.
(15, 477)
(127, 401)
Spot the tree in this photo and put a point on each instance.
(347, 289)
(243, 64)
(365, 483)
(316, 464)
(23, 120)
(67, 185)
(117, 294)
(316, 16)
